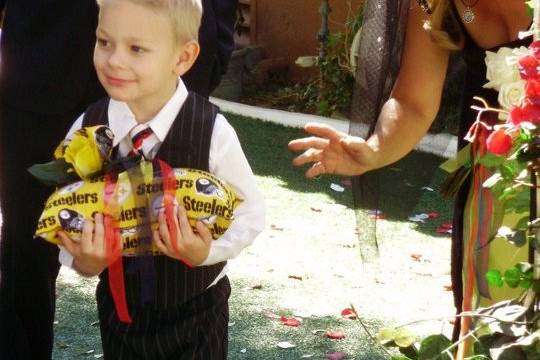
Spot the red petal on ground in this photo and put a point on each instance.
(433, 215)
(337, 335)
(290, 322)
(348, 313)
(441, 230)
(336, 355)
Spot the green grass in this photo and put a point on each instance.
(310, 234)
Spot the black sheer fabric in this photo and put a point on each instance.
(382, 35)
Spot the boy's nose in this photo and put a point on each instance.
(116, 59)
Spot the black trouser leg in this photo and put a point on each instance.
(28, 266)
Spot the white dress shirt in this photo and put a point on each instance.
(226, 161)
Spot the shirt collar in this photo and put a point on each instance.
(122, 120)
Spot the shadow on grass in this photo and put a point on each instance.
(400, 184)
(76, 328)
(254, 335)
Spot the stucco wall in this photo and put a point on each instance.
(289, 28)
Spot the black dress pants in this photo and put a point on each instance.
(195, 330)
(28, 266)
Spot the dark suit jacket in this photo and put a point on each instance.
(46, 51)
(216, 37)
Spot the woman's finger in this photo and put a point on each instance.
(308, 142)
(316, 170)
(310, 155)
(324, 131)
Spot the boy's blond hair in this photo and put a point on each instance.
(185, 15)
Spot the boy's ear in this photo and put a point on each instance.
(186, 57)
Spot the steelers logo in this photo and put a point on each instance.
(207, 187)
(71, 220)
(123, 191)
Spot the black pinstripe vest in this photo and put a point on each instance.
(187, 145)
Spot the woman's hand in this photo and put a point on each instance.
(333, 152)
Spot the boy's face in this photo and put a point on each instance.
(136, 56)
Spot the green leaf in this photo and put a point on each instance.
(519, 202)
(507, 172)
(410, 352)
(403, 338)
(525, 283)
(494, 278)
(522, 224)
(385, 336)
(484, 343)
(491, 160)
(517, 238)
(399, 357)
(432, 347)
(53, 173)
(512, 277)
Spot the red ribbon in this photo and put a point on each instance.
(113, 243)
(169, 195)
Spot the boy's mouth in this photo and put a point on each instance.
(113, 81)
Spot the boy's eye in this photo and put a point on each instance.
(102, 42)
(138, 49)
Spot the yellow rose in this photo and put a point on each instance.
(87, 150)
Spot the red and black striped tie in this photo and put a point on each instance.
(139, 134)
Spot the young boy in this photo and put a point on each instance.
(142, 49)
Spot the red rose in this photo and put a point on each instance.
(532, 91)
(499, 142)
(528, 67)
(528, 112)
(535, 47)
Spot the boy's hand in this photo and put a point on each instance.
(90, 257)
(193, 248)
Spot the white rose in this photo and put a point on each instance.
(510, 94)
(502, 68)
